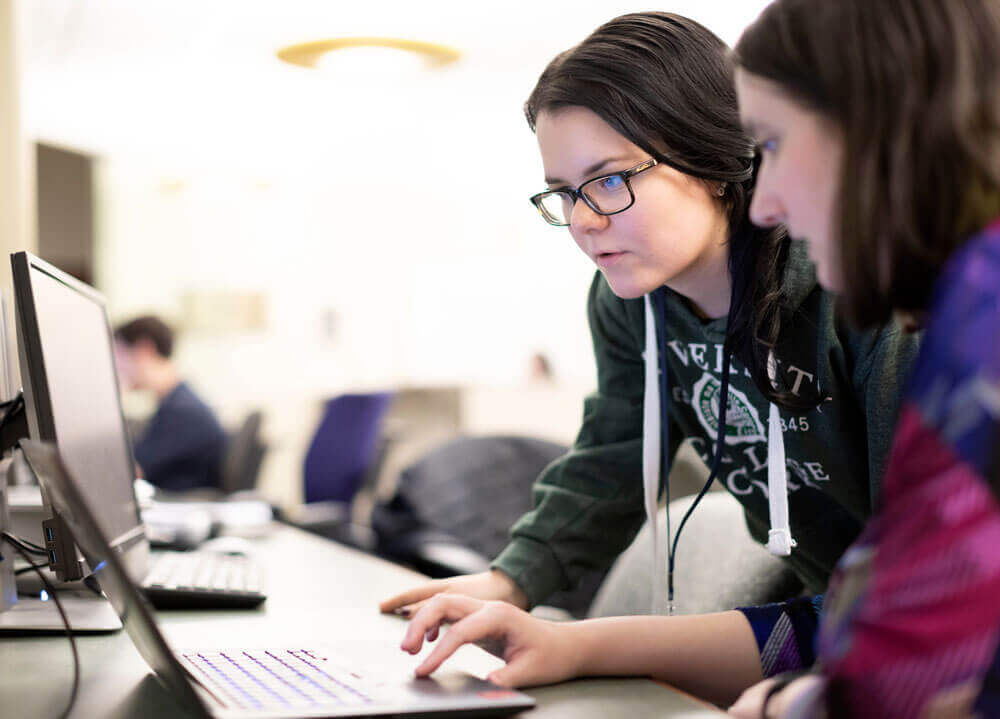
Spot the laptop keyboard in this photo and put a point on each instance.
(266, 679)
(204, 580)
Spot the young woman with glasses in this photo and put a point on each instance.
(705, 328)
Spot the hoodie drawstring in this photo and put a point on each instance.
(653, 426)
(651, 452)
(780, 540)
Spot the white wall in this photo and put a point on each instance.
(436, 275)
(17, 227)
(397, 203)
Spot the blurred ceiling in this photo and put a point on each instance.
(194, 81)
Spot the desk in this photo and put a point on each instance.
(316, 590)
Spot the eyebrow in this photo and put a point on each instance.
(587, 172)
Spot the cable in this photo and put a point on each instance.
(719, 446)
(91, 583)
(25, 545)
(16, 543)
(12, 406)
(720, 443)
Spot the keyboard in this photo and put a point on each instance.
(264, 679)
(204, 580)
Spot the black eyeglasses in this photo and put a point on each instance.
(605, 195)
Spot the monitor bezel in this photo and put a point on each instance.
(37, 395)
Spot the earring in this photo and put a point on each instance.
(722, 190)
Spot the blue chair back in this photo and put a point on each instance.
(344, 446)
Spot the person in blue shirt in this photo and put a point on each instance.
(182, 445)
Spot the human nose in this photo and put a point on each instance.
(766, 208)
(584, 219)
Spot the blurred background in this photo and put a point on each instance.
(359, 226)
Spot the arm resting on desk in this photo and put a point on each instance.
(713, 656)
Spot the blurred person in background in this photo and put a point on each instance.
(182, 445)
(540, 369)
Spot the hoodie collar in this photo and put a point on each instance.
(798, 283)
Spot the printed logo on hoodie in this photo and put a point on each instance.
(742, 421)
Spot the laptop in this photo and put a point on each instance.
(252, 681)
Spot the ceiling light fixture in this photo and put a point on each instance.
(309, 54)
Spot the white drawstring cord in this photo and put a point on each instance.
(651, 455)
(779, 538)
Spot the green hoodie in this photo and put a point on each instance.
(589, 504)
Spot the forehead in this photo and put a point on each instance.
(578, 121)
(573, 138)
(766, 107)
(760, 99)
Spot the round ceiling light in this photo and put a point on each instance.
(309, 54)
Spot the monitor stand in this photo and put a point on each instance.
(87, 614)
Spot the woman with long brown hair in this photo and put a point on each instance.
(879, 127)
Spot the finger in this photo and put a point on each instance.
(411, 609)
(522, 671)
(405, 611)
(410, 596)
(743, 710)
(474, 627)
(442, 608)
(748, 706)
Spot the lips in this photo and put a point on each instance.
(607, 259)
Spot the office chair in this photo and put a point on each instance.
(453, 508)
(244, 456)
(342, 457)
(344, 446)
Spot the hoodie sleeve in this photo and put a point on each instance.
(588, 506)
(785, 633)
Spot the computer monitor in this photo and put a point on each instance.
(65, 348)
(9, 382)
(14, 425)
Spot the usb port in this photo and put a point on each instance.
(49, 536)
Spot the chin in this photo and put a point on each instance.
(628, 287)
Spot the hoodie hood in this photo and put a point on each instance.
(800, 276)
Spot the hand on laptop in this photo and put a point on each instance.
(803, 690)
(536, 651)
(493, 584)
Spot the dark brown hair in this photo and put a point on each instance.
(148, 327)
(914, 88)
(665, 83)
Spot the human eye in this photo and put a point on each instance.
(768, 146)
(611, 183)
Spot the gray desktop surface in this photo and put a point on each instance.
(320, 594)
